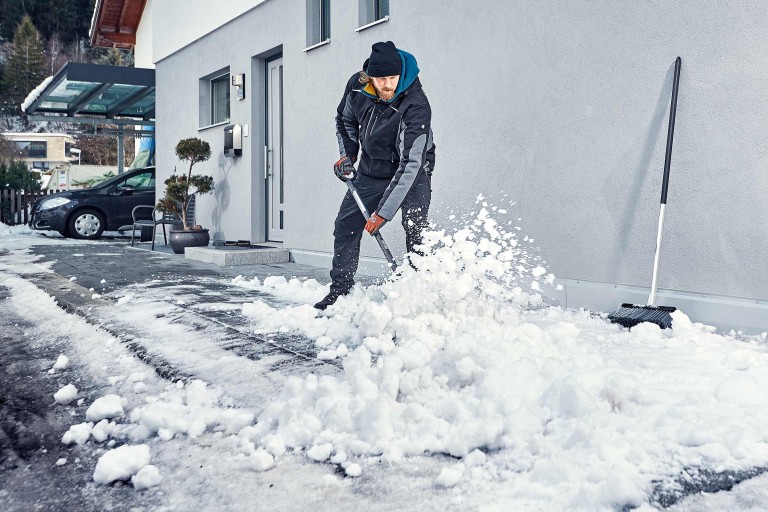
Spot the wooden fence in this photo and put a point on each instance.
(16, 205)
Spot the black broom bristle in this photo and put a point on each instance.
(629, 315)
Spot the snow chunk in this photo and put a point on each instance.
(354, 470)
(103, 429)
(121, 463)
(262, 460)
(450, 476)
(61, 461)
(475, 458)
(62, 363)
(124, 300)
(320, 452)
(77, 434)
(106, 407)
(148, 476)
(66, 395)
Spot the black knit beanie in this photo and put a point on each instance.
(385, 60)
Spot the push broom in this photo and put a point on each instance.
(629, 315)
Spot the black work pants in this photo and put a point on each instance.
(350, 224)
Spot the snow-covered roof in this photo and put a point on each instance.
(32, 96)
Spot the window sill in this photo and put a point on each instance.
(200, 129)
(318, 45)
(372, 24)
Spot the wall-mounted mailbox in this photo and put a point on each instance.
(233, 140)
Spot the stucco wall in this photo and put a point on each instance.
(142, 55)
(180, 22)
(563, 106)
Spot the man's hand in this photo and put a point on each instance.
(344, 169)
(374, 224)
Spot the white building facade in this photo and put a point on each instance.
(559, 107)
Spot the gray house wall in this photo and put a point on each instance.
(561, 105)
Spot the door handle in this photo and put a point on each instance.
(266, 161)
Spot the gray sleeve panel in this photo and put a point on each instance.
(403, 180)
(349, 126)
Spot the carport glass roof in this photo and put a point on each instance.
(103, 92)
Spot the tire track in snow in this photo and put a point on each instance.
(182, 343)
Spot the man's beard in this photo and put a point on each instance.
(384, 95)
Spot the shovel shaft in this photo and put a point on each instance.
(377, 236)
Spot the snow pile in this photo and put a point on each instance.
(472, 272)
(460, 358)
(66, 395)
(19, 229)
(189, 410)
(122, 463)
(295, 290)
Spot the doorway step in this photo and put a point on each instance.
(226, 256)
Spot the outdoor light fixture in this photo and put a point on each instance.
(239, 82)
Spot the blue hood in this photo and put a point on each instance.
(408, 75)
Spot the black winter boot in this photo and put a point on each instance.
(329, 300)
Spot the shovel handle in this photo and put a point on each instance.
(377, 236)
(670, 132)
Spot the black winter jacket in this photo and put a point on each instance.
(393, 139)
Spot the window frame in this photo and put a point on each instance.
(372, 13)
(220, 79)
(318, 23)
(23, 147)
(206, 98)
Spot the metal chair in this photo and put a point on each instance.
(166, 218)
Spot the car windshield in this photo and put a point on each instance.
(119, 177)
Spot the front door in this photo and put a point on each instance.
(274, 152)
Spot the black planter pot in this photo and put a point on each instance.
(180, 239)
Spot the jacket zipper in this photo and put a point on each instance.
(371, 124)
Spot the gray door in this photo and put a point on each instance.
(274, 152)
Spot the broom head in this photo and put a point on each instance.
(629, 315)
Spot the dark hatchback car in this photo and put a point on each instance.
(87, 213)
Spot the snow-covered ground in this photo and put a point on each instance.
(451, 387)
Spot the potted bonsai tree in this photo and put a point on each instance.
(180, 190)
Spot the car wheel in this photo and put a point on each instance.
(86, 225)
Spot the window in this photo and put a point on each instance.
(372, 11)
(143, 181)
(318, 22)
(220, 99)
(214, 98)
(32, 149)
(40, 165)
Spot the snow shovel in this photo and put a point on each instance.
(377, 236)
(629, 315)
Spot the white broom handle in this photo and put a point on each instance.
(652, 296)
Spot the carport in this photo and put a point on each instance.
(100, 100)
